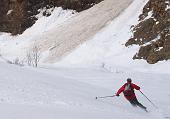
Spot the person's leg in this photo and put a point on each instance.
(133, 103)
(139, 104)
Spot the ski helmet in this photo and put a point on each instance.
(129, 80)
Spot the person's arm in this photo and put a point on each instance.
(120, 90)
(135, 86)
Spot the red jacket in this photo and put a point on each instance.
(130, 94)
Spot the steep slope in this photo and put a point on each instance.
(63, 31)
(12, 47)
(107, 48)
(62, 40)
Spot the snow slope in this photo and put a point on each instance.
(59, 38)
(102, 65)
(107, 48)
(100, 42)
(13, 47)
(80, 28)
(62, 93)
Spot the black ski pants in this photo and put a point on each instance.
(134, 102)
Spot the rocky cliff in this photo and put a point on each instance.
(152, 33)
(17, 15)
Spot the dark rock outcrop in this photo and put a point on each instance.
(17, 15)
(153, 32)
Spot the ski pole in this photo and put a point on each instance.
(105, 96)
(148, 99)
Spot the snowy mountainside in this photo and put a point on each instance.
(66, 39)
(60, 42)
(13, 47)
(107, 48)
(63, 38)
(98, 66)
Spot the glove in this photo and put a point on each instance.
(117, 95)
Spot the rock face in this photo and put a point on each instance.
(17, 15)
(152, 33)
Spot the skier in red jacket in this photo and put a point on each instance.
(128, 91)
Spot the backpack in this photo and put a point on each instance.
(128, 90)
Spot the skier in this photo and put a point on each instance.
(128, 91)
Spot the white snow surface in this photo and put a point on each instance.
(97, 67)
(50, 93)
